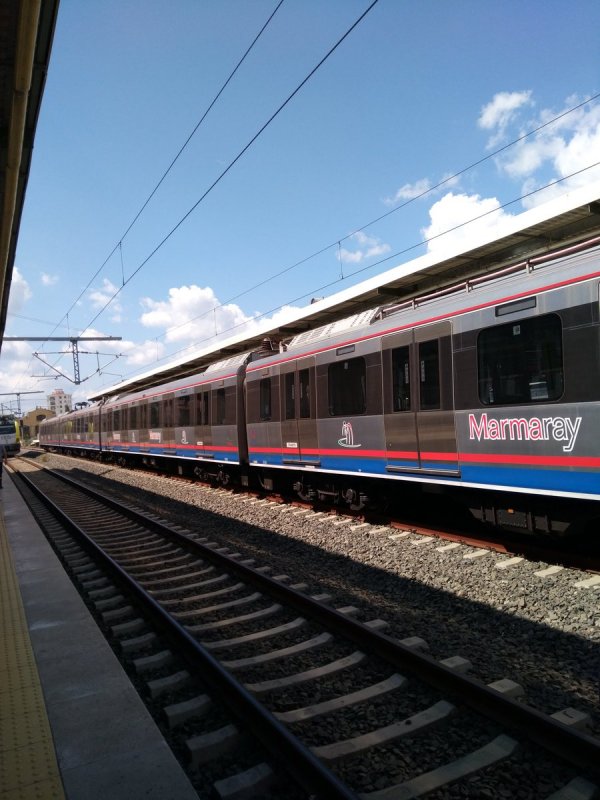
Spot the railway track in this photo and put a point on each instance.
(220, 648)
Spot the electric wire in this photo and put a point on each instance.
(338, 240)
(413, 199)
(397, 254)
(119, 244)
(236, 159)
(174, 160)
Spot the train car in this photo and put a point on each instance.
(490, 385)
(485, 391)
(10, 434)
(199, 420)
(74, 432)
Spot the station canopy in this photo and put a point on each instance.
(26, 33)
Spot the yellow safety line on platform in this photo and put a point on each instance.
(28, 768)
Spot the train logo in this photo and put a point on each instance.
(347, 439)
(560, 429)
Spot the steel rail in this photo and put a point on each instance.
(575, 746)
(308, 770)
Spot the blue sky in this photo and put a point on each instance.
(415, 94)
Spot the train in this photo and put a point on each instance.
(484, 394)
(10, 434)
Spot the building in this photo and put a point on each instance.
(30, 424)
(59, 401)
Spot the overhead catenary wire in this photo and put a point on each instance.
(119, 244)
(222, 174)
(324, 249)
(236, 159)
(419, 196)
(338, 240)
(381, 261)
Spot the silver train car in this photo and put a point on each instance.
(487, 391)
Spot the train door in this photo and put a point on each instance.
(202, 435)
(400, 402)
(435, 411)
(419, 401)
(298, 423)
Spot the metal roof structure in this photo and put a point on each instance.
(564, 220)
(26, 33)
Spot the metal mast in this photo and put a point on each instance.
(74, 349)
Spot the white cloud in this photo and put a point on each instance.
(48, 280)
(409, 191)
(138, 354)
(570, 145)
(18, 350)
(421, 188)
(193, 315)
(368, 247)
(101, 298)
(567, 146)
(449, 215)
(500, 112)
(20, 292)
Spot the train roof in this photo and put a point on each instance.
(219, 369)
(567, 219)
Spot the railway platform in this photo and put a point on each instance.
(72, 727)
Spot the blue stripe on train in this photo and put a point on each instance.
(553, 479)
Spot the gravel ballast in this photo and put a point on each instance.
(541, 631)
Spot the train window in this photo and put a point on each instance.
(347, 387)
(429, 375)
(116, 426)
(132, 417)
(184, 410)
(290, 395)
(401, 378)
(206, 407)
(201, 416)
(154, 414)
(168, 411)
(220, 420)
(521, 362)
(143, 415)
(265, 399)
(304, 381)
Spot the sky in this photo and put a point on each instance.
(424, 117)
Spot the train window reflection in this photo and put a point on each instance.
(521, 362)
(220, 420)
(155, 415)
(304, 381)
(168, 411)
(184, 410)
(144, 415)
(265, 399)
(401, 378)
(290, 395)
(347, 387)
(429, 367)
